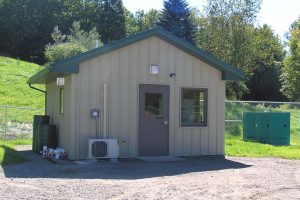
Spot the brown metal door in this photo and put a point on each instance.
(154, 120)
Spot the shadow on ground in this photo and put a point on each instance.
(10, 155)
(124, 169)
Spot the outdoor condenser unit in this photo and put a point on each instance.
(103, 148)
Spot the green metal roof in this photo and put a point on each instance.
(71, 65)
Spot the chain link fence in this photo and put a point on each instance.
(235, 109)
(16, 122)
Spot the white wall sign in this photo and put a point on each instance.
(60, 81)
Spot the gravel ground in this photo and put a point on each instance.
(194, 178)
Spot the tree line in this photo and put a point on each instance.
(47, 30)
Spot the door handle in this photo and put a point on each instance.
(166, 122)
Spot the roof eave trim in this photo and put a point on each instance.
(231, 73)
(35, 78)
(68, 69)
(232, 76)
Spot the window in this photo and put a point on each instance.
(61, 100)
(153, 105)
(193, 107)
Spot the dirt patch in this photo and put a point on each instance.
(194, 178)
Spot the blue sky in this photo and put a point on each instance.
(279, 14)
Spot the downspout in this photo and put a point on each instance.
(37, 89)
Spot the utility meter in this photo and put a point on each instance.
(94, 113)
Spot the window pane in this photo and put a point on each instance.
(193, 107)
(61, 100)
(201, 104)
(153, 105)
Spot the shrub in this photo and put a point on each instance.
(65, 46)
(56, 52)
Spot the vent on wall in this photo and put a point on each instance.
(103, 148)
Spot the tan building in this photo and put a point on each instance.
(157, 94)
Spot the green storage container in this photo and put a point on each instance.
(267, 127)
(47, 136)
(38, 120)
(251, 127)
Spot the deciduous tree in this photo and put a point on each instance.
(226, 32)
(141, 21)
(291, 69)
(267, 54)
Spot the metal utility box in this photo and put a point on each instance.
(267, 127)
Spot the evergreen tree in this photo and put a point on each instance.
(176, 18)
(111, 21)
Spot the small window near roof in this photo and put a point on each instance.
(61, 100)
(193, 107)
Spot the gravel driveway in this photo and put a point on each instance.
(194, 178)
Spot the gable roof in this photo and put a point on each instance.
(71, 65)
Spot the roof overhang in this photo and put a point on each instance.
(50, 73)
(71, 65)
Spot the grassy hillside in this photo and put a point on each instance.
(14, 90)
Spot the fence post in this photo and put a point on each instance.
(5, 121)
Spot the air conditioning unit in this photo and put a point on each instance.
(103, 148)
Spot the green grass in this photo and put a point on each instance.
(8, 154)
(14, 90)
(235, 146)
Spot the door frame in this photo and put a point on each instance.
(138, 113)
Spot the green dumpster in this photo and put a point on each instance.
(267, 127)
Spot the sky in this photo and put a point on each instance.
(279, 14)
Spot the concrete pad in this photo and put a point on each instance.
(161, 159)
(85, 162)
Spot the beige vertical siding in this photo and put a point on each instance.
(63, 122)
(123, 70)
